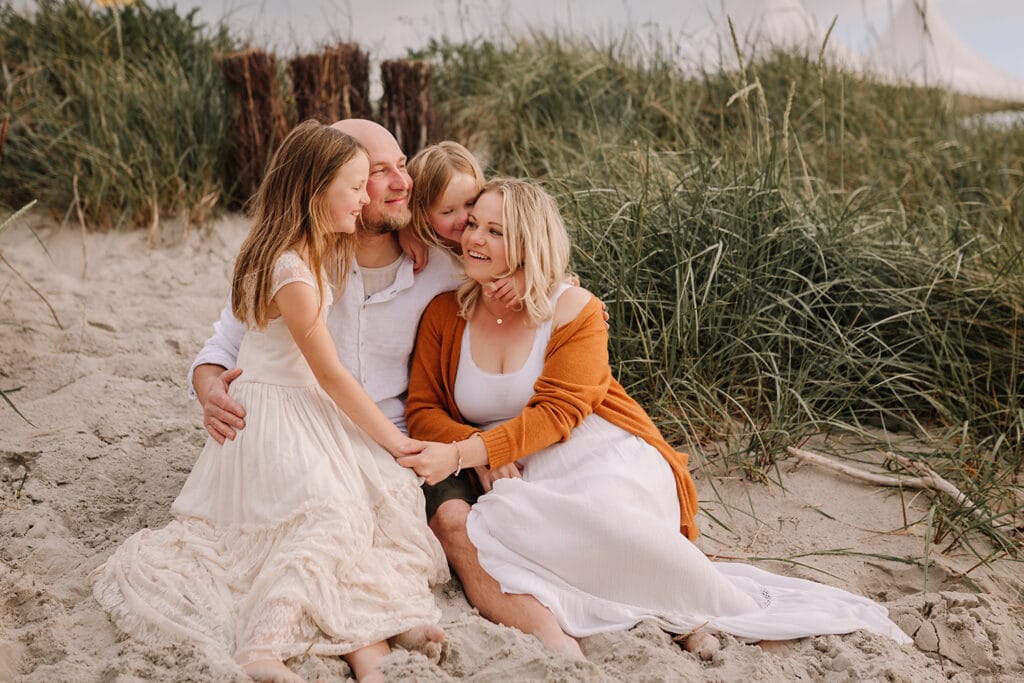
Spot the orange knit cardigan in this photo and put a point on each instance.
(575, 382)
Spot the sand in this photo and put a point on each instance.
(113, 436)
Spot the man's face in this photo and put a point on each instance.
(388, 186)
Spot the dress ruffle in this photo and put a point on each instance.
(336, 576)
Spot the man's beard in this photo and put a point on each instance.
(386, 224)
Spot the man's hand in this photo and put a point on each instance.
(222, 415)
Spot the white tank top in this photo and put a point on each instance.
(486, 399)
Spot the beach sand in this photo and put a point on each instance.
(113, 437)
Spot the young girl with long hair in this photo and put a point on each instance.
(301, 535)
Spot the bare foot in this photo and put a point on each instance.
(704, 645)
(777, 647)
(271, 671)
(424, 639)
(364, 661)
(557, 640)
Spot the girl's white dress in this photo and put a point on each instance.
(592, 531)
(302, 535)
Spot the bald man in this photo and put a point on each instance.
(373, 321)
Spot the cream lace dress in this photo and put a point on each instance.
(300, 535)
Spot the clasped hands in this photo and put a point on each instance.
(435, 462)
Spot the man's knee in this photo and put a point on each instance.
(450, 519)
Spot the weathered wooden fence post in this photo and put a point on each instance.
(405, 109)
(331, 85)
(251, 78)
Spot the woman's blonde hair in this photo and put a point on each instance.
(290, 210)
(431, 170)
(536, 242)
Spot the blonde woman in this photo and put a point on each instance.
(302, 534)
(589, 523)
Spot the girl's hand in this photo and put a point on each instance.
(435, 462)
(405, 446)
(508, 290)
(414, 248)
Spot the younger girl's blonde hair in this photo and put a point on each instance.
(536, 242)
(289, 211)
(432, 169)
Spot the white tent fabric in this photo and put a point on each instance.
(761, 27)
(919, 46)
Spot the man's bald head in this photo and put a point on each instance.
(389, 183)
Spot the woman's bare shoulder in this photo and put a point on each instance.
(570, 304)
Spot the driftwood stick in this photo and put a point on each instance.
(937, 482)
(870, 477)
(929, 479)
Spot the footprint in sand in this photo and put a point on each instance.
(973, 631)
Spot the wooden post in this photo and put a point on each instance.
(251, 78)
(331, 85)
(3, 135)
(405, 109)
(357, 93)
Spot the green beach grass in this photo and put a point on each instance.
(118, 115)
(786, 250)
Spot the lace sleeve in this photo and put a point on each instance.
(291, 268)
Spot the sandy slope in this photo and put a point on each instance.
(114, 437)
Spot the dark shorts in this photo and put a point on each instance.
(463, 487)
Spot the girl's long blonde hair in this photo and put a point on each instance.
(536, 242)
(432, 169)
(289, 211)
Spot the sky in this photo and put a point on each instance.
(387, 28)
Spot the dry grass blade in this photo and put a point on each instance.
(35, 291)
(3, 395)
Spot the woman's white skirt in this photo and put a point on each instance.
(592, 531)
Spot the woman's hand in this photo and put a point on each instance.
(435, 462)
(489, 476)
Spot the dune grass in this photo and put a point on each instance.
(785, 250)
(117, 114)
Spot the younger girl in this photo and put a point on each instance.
(302, 535)
(446, 181)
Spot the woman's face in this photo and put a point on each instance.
(449, 212)
(483, 242)
(346, 195)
